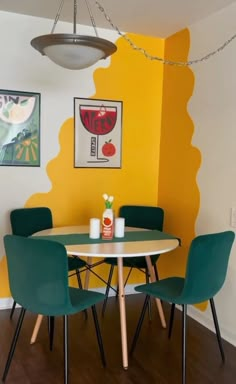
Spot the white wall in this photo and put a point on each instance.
(22, 68)
(213, 110)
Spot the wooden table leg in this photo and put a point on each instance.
(158, 301)
(36, 329)
(122, 314)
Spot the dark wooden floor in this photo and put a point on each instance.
(155, 360)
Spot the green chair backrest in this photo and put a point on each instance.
(207, 266)
(36, 282)
(26, 221)
(143, 216)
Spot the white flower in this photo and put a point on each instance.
(108, 200)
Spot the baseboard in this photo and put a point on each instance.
(129, 290)
(6, 303)
(204, 318)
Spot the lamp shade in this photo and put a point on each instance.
(73, 51)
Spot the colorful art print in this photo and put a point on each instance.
(19, 128)
(98, 133)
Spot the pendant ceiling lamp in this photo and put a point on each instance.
(70, 50)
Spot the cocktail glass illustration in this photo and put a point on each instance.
(97, 120)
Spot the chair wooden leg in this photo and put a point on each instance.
(99, 336)
(66, 349)
(36, 329)
(140, 322)
(217, 328)
(172, 314)
(107, 289)
(184, 329)
(13, 309)
(13, 344)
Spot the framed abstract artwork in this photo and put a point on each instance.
(19, 128)
(98, 133)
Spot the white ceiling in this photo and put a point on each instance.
(149, 17)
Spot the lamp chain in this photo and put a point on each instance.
(91, 17)
(163, 61)
(75, 16)
(57, 16)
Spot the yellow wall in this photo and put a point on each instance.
(76, 194)
(179, 160)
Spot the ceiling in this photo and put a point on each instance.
(159, 18)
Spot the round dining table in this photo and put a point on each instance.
(136, 242)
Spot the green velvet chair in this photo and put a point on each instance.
(40, 285)
(205, 275)
(138, 216)
(27, 221)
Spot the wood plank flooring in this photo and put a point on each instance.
(156, 359)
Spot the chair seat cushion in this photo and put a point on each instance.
(82, 299)
(75, 263)
(169, 289)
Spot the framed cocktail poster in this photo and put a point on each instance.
(19, 128)
(98, 133)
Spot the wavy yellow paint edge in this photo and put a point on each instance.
(180, 160)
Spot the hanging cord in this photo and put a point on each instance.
(163, 61)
